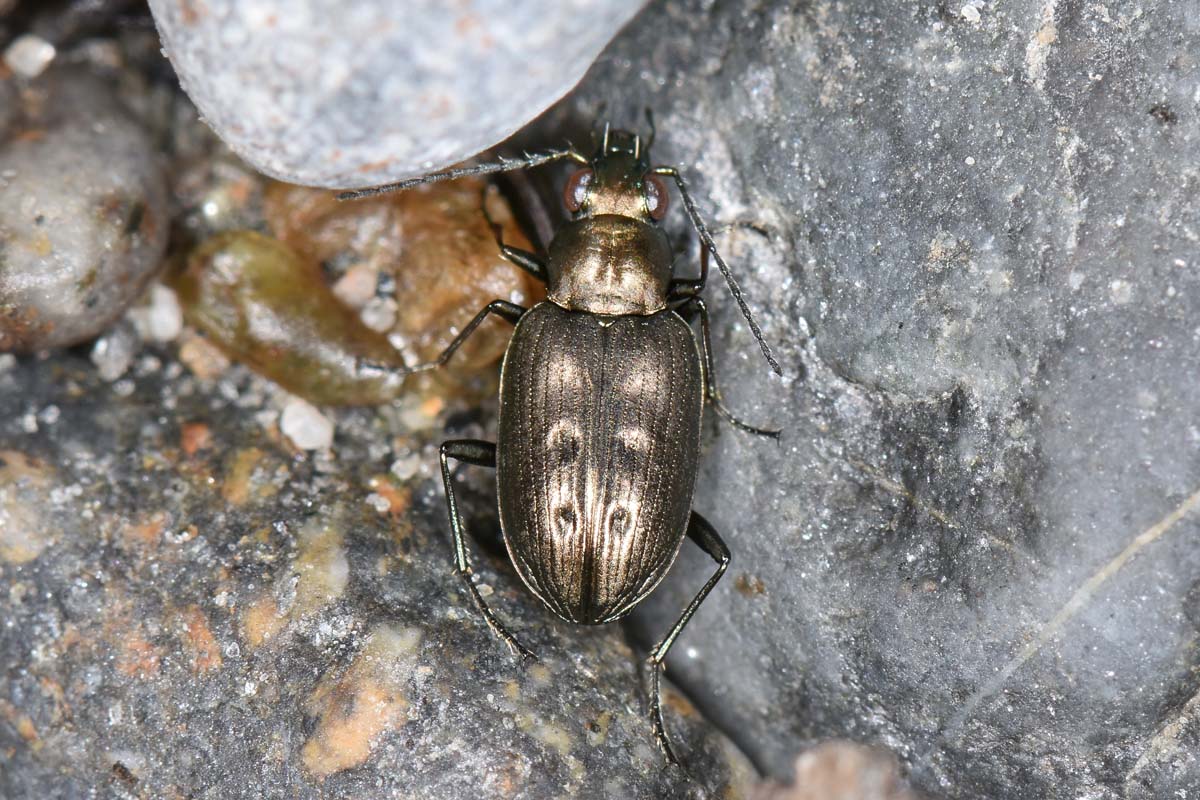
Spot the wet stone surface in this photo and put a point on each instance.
(974, 247)
(83, 211)
(193, 608)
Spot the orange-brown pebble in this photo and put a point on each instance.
(194, 437)
(261, 621)
(138, 658)
(237, 486)
(206, 654)
(147, 532)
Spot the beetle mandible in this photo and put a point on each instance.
(602, 389)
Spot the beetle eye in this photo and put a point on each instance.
(576, 191)
(656, 196)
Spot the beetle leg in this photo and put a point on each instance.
(697, 307)
(502, 308)
(707, 539)
(522, 258)
(682, 290)
(481, 454)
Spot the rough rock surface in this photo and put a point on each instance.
(192, 608)
(82, 210)
(323, 94)
(975, 246)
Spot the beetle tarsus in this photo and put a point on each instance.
(514, 644)
(655, 668)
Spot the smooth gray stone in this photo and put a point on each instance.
(83, 216)
(326, 93)
(977, 255)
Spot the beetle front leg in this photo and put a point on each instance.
(481, 454)
(530, 262)
(697, 307)
(707, 539)
(502, 308)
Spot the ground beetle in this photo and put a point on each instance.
(601, 395)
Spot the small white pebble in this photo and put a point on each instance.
(161, 319)
(50, 415)
(1120, 291)
(357, 286)
(380, 314)
(486, 590)
(406, 467)
(7, 362)
(970, 13)
(123, 388)
(307, 427)
(969, 161)
(29, 423)
(379, 503)
(114, 351)
(29, 55)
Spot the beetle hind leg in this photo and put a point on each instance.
(480, 454)
(707, 539)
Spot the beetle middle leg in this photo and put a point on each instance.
(696, 307)
(707, 539)
(480, 454)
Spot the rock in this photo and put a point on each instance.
(841, 771)
(82, 213)
(192, 609)
(311, 94)
(973, 249)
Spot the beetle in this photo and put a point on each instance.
(602, 390)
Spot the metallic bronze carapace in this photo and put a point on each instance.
(602, 391)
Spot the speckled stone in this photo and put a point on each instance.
(974, 246)
(193, 608)
(83, 211)
(324, 94)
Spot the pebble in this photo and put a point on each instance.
(160, 319)
(307, 427)
(29, 55)
(83, 211)
(333, 98)
(113, 352)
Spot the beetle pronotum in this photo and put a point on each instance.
(601, 395)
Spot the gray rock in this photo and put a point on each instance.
(83, 221)
(193, 608)
(977, 256)
(315, 93)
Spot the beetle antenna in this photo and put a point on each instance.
(706, 241)
(527, 161)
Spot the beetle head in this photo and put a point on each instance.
(617, 180)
